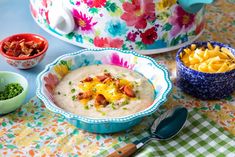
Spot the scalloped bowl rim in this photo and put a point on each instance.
(179, 61)
(51, 106)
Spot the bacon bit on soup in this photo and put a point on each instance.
(88, 79)
(22, 48)
(101, 78)
(105, 77)
(128, 91)
(105, 89)
(121, 89)
(108, 74)
(117, 83)
(101, 100)
(84, 95)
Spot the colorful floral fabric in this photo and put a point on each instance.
(33, 130)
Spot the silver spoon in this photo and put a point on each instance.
(164, 127)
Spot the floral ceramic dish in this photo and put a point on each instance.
(48, 79)
(20, 42)
(147, 26)
(205, 85)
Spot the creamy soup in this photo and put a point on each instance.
(104, 91)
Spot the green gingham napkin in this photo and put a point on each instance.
(200, 137)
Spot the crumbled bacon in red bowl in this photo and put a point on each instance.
(23, 46)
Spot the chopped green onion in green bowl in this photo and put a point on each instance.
(10, 91)
(13, 91)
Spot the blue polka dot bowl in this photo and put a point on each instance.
(205, 86)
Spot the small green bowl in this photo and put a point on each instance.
(12, 104)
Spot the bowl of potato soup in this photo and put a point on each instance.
(103, 90)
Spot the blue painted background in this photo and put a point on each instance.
(15, 18)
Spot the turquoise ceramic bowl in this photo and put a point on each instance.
(12, 104)
(155, 73)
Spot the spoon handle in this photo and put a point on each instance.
(125, 151)
(130, 148)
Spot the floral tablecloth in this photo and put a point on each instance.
(33, 130)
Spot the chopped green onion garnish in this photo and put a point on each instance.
(102, 113)
(74, 98)
(70, 82)
(113, 107)
(11, 90)
(86, 107)
(125, 102)
(124, 108)
(73, 90)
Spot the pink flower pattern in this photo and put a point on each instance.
(27, 64)
(108, 42)
(131, 36)
(83, 21)
(181, 21)
(51, 82)
(116, 60)
(138, 12)
(95, 3)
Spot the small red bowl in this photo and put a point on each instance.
(25, 62)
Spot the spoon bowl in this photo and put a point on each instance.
(169, 124)
(164, 127)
